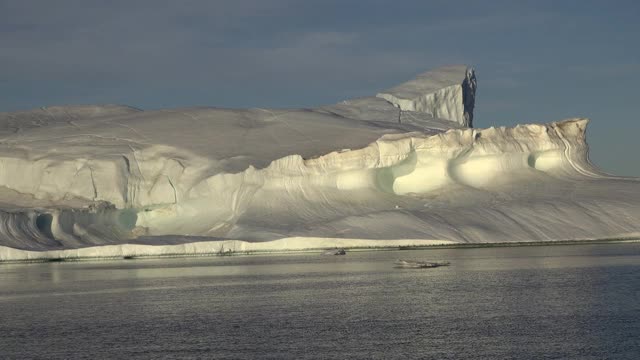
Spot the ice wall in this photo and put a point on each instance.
(369, 169)
(446, 93)
(159, 191)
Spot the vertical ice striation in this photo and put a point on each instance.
(447, 93)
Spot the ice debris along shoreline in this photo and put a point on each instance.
(211, 248)
(404, 165)
(280, 246)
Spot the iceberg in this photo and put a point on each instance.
(404, 167)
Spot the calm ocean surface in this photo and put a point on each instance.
(555, 302)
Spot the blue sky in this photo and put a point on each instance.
(537, 61)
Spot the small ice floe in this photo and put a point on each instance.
(411, 264)
(336, 251)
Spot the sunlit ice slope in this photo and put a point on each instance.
(403, 167)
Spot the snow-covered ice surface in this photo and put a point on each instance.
(400, 168)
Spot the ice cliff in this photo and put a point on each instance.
(403, 167)
(447, 93)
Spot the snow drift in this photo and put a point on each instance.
(399, 166)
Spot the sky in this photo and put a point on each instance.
(536, 61)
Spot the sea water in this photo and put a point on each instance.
(536, 302)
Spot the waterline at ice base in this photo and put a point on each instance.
(404, 167)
